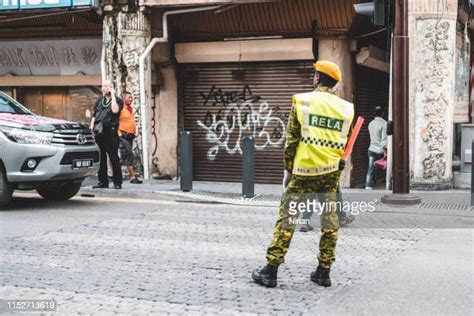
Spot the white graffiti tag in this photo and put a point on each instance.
(227, 129)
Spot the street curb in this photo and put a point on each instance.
(230, 201)
(111, 193)
(206, 197)
(172, 196)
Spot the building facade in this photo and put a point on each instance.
(229, 69)
(224, 70)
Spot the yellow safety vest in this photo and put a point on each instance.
(325, 122)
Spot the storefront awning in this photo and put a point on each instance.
(287, 18)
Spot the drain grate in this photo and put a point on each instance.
(444, 206)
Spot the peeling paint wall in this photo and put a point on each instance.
(167, 129)
(432, 93)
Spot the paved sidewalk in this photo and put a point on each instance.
(265, 194)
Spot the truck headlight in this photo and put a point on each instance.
(24, 136)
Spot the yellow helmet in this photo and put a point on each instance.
(329, 68)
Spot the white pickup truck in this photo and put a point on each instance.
(48, 155)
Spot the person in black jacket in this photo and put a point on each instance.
(104, 123)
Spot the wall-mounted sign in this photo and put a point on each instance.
(42, 4)
(55, 57)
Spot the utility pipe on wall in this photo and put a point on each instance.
(143, 100)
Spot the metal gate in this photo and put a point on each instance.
(372, 88)
(225, 102)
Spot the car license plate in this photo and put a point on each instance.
(82, 163)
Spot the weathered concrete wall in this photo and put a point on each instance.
(432, 31)
(125, 36)
(168, 124)
(338, 51)
(164, 150)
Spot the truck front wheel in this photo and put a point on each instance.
(61, 192)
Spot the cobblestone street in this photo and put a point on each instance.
(153, 257)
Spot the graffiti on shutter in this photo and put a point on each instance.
(234, 115)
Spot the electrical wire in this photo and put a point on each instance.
(369, 34)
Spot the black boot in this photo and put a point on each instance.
(321, 276)
(266, 276)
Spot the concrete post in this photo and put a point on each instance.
(432, 32)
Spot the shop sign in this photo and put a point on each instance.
(53, 57)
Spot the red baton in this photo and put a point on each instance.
(352, 139)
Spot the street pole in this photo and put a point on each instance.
(400, 103)
(401, 167)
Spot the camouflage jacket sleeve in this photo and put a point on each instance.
(293, 136)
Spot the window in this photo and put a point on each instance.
(8, 105)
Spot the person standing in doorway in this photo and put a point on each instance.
(104, 123)
(378, 145)
(127, 130)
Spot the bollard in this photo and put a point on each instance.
(248, 175)
(186, 165)
(472, 173)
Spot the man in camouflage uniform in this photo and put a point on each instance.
(315, 140)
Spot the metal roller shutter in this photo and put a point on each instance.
(224, 102)
(372, 88)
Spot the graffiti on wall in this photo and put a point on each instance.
(234, 115)
(433, 85)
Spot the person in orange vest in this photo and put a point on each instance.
(127, 130)
(316, 137)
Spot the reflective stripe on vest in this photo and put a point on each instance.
(325, 123)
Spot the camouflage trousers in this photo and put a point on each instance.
(300, 193)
